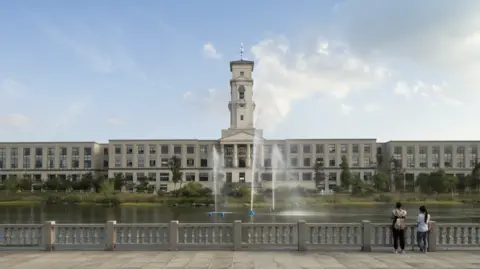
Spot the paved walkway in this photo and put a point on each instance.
(235, 260)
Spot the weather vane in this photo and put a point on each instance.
(241, 51)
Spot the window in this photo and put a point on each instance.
(164, 149)
(267, 163)
(448, 156)
(118, 149)
(319, 161)
(343, 148)
(204, 162)
(105, 164)
(164, 162)
(410, 161)
(189, 176)
(152, 162)
(306, 162)
(242, 73)
(141, 163)
(141, 149)
(268, 149)
(331, 148)
(152, 149)
(367, 176)
(105, 151)
(14, 158)
(306, 176)
(3, 158)
(129, 163)
(331, 163)
(367, 148)
(129, 149)
(177, 150)
(190, 149)
(164, 177)
(293, 162)
(307, 149)
(87, 158)
(204, 149)
(367, 162)
(38, 158)
(190, 162)
(26, 152)
(241, 177)
(118, 162)
(410, 150)
(293, 149)
(241, 117)
(319, 148)
(242, 162)
(355, 148)
(355, 161)
(423, 150)
(203, 177)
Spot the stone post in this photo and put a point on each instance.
(302, 235)
(432, 237)
(110, 235)
(173, 235)
(366, 236)
(49, 235)
(237, 235)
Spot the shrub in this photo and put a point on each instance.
(53, 200)
(72, 199)
(383, 198)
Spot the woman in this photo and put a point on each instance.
(398, 227)
(422, 228)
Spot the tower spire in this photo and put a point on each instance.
(241, 51)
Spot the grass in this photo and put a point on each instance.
(146, 200)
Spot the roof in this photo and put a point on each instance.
(241, 62)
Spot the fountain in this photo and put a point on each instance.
(217, 167)
(277, 163)
(254, 166)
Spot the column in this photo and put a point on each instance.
(454, 156)
(235, 156)
(262, 155)
(441, 157)
(249, 164)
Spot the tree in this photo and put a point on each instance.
(450, 183)
(25, 183)
(380, 181)
(175, 165)
(436, 181)
(423, 183)
(107, 187)
(345, 175)
(398, 175)
(319, 174)
(359, 187)
(119, 181)
(11, 183)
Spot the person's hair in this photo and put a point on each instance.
(423, 210)
(398, 205)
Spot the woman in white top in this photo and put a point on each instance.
(422, 228)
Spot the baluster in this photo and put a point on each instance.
(466, 237)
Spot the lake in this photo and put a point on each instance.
(153, 214)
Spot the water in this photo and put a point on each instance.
(217, 169)
(277, 163)
(326, 214)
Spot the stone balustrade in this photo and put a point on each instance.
(301, 236)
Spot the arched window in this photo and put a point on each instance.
(241, 92)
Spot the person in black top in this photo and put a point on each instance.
(398, 227)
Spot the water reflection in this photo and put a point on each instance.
(338, 214)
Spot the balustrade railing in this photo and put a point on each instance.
(236, 236)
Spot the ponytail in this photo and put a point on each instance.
(426, 216)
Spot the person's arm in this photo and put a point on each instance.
(419, 219)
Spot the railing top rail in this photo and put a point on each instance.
(334, 224)
(150, 225)
(29, 225)
(205, 224)
(79, 225)
(269, 224)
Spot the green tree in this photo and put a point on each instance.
(436, 181)
(450, 183)
(52, 183)
(175, 165)
(380, 181)
(107, 187)
(359, 187)
(25, 183)
(423, 183)
(398, 175)
(319, 174)
(11, 184)
(345, 174)
(119, 181)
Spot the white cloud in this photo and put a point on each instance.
(372, 107)
(284, 78)
(430, 91)
(12, 88)
(210, 51)
(14, 121)
(346, 109)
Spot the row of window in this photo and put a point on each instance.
(50, 164)
(87, 151)
(191, 149)
(410, 150)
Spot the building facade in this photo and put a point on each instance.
(242, 154)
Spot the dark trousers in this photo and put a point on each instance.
(398, 238)
(422, 240)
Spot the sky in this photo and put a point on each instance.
(98, 70)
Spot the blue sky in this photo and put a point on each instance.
(99, 70)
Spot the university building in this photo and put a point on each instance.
(239, 146)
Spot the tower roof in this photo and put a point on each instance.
(241, 62)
